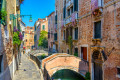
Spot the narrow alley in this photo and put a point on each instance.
(27, 70)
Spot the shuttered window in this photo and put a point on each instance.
(43, 27)
(97, 30)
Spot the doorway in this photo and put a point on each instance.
(97, 61)
(1, 65)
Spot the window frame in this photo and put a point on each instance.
(94, 29)
(43, 26)
(64, 35)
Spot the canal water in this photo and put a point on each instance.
(66, 74)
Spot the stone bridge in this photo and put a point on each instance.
(57, 62)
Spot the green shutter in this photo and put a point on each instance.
(43, 27)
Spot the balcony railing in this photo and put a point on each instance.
(95, 4)
(69, 2)
(71, 18)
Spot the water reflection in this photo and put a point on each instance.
(66, 74)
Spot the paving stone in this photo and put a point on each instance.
(27, 70)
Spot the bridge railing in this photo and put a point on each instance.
(35, 59)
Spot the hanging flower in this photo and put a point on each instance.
(15, 30)
(20, 36)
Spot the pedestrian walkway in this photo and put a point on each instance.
(27, 70)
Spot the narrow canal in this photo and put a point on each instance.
(66, 74)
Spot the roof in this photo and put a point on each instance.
(51, 13)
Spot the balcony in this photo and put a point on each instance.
(69, 3)
(72, 18)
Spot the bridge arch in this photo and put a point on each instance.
(57, 62)
(67, 74)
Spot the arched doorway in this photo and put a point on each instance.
(97, 65)
(66, 74)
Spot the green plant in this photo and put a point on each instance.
(3, 14)
(43, 41)
(17, 37)
(43, 56)
(70, 41)
(76, 54)
(87, 76)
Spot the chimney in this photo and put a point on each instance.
(46, 18)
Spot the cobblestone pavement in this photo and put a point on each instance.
(27, 70)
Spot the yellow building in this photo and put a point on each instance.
(29, 38)
(44, 24)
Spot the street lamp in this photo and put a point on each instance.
(30, 20)
(13, 16)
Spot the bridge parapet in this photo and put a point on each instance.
(63, 61)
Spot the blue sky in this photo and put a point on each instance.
(37, 8)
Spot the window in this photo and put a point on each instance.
(68, 12)
(64, 35)
(1, 57)
(118, 72)
(55, 36)
(55, 19)
(43, 27)
(64, 12)
(97, 30)
(76, 33)
(75, 5)
(84, 53)
(48, 35)
(100, 3)
(67, 51)
(72, 9)
(35, 28)
(76, 52)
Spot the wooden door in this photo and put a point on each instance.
(97, 71)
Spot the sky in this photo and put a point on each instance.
(36, 8)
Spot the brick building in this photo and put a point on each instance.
(9, 58)
(29, 38)
(94, 27)
(52, 33)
